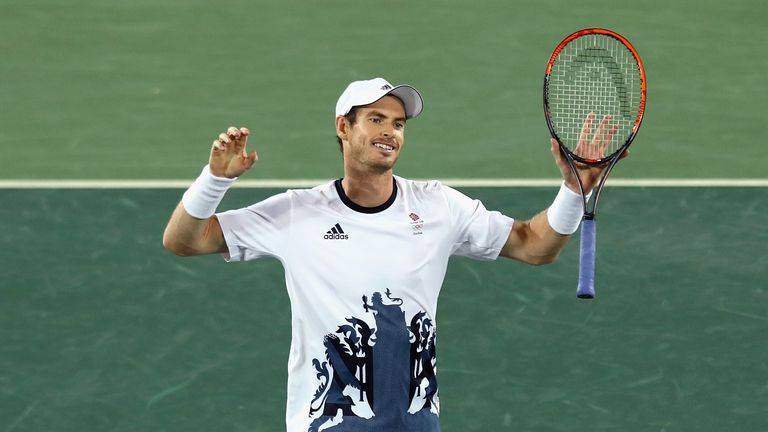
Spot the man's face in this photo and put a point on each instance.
(374, 141)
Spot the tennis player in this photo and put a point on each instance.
(364, 258)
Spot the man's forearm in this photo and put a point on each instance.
(534, 241)
(187, 236)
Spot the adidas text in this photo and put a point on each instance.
(336, 233)
(336, 237)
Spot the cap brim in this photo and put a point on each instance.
(411, 98)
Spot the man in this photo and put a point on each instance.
(364, 258)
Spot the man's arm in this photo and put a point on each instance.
(188, 236)
(193, 229)
(535, 241)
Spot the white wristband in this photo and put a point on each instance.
(566, 211)
(205, 194)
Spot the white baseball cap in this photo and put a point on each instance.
(366, 92)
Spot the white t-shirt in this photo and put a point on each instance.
(363, 285)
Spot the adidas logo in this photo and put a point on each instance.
(336, 233)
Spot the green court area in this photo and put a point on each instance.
(139, 89)
(102, 330)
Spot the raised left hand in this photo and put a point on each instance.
(591, 146)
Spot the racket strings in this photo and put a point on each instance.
(594, 74)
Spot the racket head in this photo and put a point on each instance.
(594, 84)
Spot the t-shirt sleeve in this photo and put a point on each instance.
(258, 230)
(479, 234)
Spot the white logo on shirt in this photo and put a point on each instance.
(417, 224)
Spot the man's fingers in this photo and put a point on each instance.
(560, 160)
(240, 137)
(233, 132)
(583, 147)
(245, 162)
(234, 138)
(586, 128)
(554, 146)
(228, 153)
(609, 138)
(603, 123)
(598, 141)
(250, 160)
(225, 139)
(241, 143)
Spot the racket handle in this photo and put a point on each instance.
(586, 289)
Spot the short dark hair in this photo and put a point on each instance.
(351, 117)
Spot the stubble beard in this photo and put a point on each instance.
(367, 162)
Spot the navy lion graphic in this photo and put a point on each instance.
(381, 378)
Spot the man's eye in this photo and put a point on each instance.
(400, 125)
(376, 120)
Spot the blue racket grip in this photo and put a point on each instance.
(586, 289)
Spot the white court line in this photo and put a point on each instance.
(305, 183)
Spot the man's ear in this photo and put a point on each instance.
(342, 126)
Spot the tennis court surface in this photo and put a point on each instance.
(102, 329)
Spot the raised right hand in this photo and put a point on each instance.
(229, 157)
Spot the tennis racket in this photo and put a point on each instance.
(594, 98)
